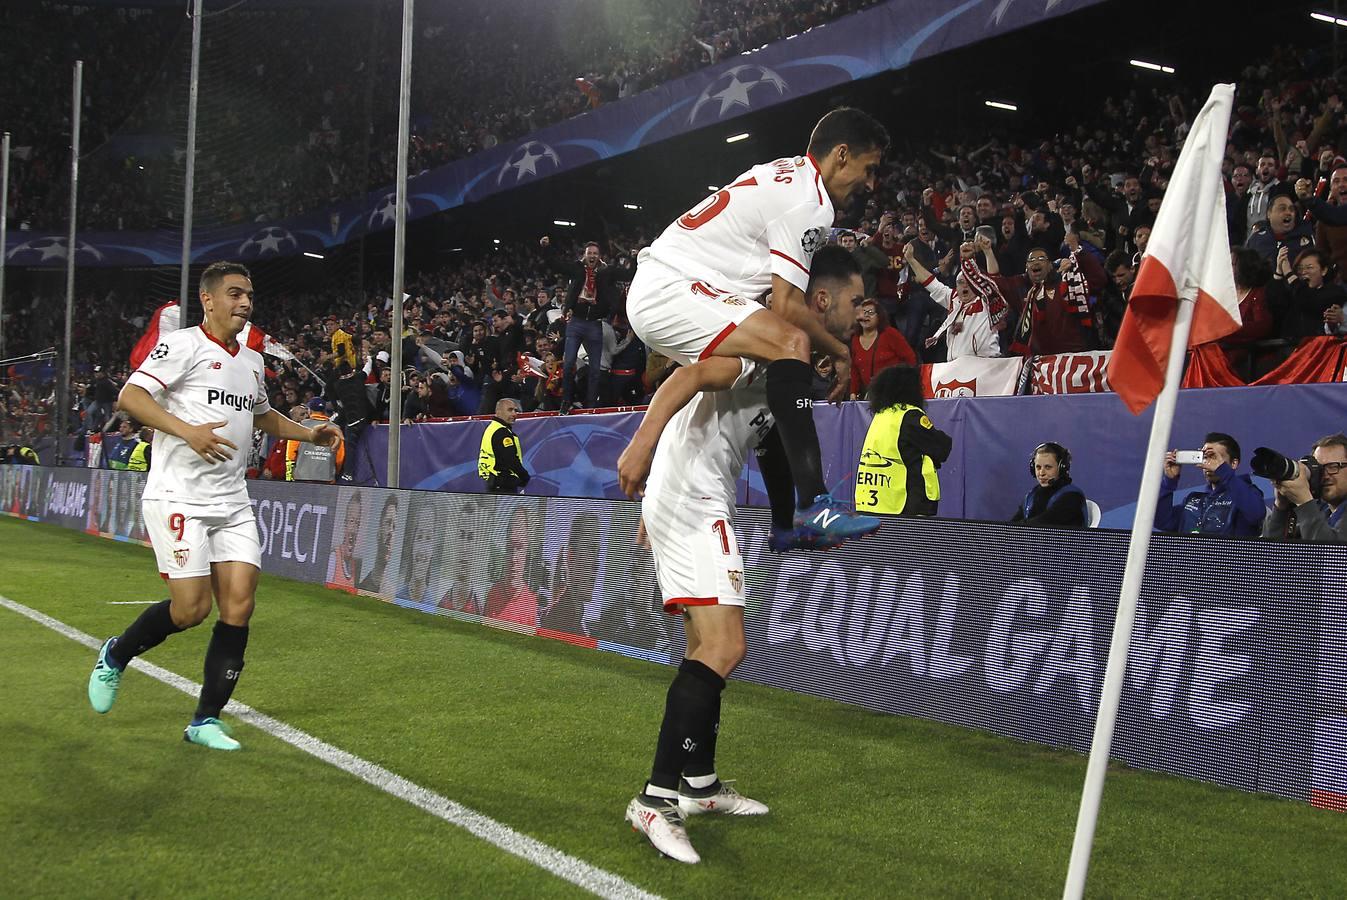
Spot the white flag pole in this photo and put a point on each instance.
(1137, 549)
(1210, 196)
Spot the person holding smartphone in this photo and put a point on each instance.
(1230, 505)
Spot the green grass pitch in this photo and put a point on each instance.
(551, 740)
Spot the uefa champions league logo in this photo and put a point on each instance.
(734, 88)
(270, 241)
(48, 249)
(526, 160)
(386, 211)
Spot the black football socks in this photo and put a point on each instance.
(148, 631)
(691, 714)
(788, 385)
(224, 663)
(776, 477)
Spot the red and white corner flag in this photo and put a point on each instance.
(1188, 255)
(167, 319)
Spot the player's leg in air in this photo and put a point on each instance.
(785, 535)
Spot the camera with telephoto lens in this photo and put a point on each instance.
(1270, 464)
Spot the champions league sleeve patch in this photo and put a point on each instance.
(813, 239)
(160, 351)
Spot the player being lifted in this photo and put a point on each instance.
(696, 290)
(203, 393)
(715, 411)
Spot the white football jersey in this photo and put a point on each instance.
(704, 446)
(770, 221)
(192, 375)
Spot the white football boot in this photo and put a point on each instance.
(663, 825)
(725, 800)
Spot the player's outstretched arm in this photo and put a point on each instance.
(715, 373)
(285, 428)
(202, 438)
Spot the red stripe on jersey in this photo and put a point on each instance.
(215, 340)
(148, 375)
(750, 181)
(817, 177)
(715, 342)
(671, 606)
(790, 259)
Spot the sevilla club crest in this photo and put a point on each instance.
(180, 557)
(948, 389)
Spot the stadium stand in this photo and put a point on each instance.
(1088, 191)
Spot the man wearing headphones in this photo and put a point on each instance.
(1054, 501)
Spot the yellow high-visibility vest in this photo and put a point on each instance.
(486, 457)
(881, 475)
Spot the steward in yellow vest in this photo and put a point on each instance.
(140, 454)
(500, 462)
(897, 469)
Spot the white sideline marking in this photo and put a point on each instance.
(582, 874)
(132, 602)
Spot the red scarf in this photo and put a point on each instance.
(589, 293)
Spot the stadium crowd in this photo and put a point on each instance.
(1024, 245)
(486, 72)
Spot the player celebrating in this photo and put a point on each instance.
(203, 394)
(715, 410)
(696, 290)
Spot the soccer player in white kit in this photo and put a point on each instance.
(698, 289)
(716, 411)
(203, 393)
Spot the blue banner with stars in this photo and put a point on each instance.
(888, 37)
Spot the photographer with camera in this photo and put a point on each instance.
(1230, 505)
(1310, 492)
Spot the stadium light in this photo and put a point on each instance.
(1331, 20)
(736, 138)
(997, 104)
(630, 206)
(313, 255)
(495, 240)
(558, 222)
(712, 187)
(1154, 67)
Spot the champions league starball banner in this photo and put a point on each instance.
(886, 37)
(1238, 668)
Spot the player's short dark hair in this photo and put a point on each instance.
(859, 130)
(1230, 444)
(894, 385)
(216, 271)
(832, 262)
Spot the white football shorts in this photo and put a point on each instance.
(697, 561)
(684, 320)
(188, 537)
